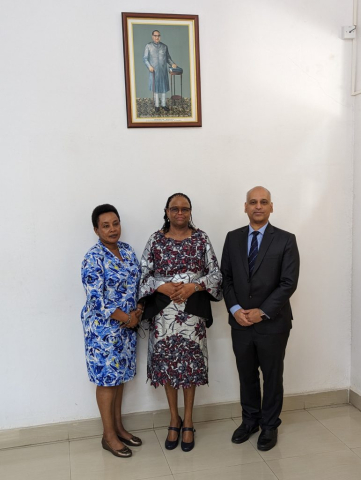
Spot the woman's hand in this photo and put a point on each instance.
(169, 288)
(139, 311)
(183, 292)
(134, 320)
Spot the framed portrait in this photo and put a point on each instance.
(162, 70)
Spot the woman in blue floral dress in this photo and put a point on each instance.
(180, 275)
(110, 275)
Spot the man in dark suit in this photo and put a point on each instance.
(260, 267)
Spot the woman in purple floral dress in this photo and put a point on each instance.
(180, 275)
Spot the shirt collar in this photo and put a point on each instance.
(261, 230)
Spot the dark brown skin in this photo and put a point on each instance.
(178, 230)
(109, 399)
(179, 292)
(109, 231)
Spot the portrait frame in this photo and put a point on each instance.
(167, 96)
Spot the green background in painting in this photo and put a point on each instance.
(176, 38)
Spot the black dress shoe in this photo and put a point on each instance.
(166, 109)
(187, 446)
(267, 440)
(157, 109)
(172, 444)
(243, 432)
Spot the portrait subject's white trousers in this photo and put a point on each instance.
(162, 99)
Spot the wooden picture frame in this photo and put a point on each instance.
(167, 93)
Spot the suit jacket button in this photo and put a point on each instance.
(250, 296)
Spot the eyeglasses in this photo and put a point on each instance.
(156, 35)
(180, 209)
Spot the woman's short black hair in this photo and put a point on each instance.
(99, 210)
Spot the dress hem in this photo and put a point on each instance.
(164, 382)
(115, 385)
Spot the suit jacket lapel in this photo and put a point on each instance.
(243, 243)
(266, 242)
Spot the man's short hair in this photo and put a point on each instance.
(155, 31)
(258, 186)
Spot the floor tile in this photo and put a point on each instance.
(248, 471)
(213, 449)
(344, 422)
(167, 477)
(40, 462)
(301, 434)
(357, 451)
(339, 465)
(89, 461)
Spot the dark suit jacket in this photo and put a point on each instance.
(273, 281)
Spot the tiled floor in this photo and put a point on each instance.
(314, 444)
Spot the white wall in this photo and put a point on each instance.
(356, 277)
(356, 256)
(277, 112)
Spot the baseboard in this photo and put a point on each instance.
(66, 431)
(355, 399)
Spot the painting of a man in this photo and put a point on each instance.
(156, 58)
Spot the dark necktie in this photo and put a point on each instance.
(253, 252)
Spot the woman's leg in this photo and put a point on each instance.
(189, 394)
(105, 399)
(172, 397)
(117, 413)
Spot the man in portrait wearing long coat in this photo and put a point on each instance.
(156, 57)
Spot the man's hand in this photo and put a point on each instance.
(253, 315)
(241, 318)
(151, 69)
(174, 65)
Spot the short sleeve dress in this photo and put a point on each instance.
(109, 284)
(177, 348)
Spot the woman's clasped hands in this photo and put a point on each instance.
(178, 292)
(135, 317)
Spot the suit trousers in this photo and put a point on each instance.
(266, 351)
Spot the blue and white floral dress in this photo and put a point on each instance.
(109, 284)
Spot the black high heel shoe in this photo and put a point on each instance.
(172, 444)
(187, 446)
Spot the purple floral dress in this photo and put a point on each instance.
(177, 348)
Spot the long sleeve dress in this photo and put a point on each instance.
(109, 284)
(177, 348)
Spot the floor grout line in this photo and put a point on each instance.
(172, 475)
(163, 453)
(69, 461)
(338, 438)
